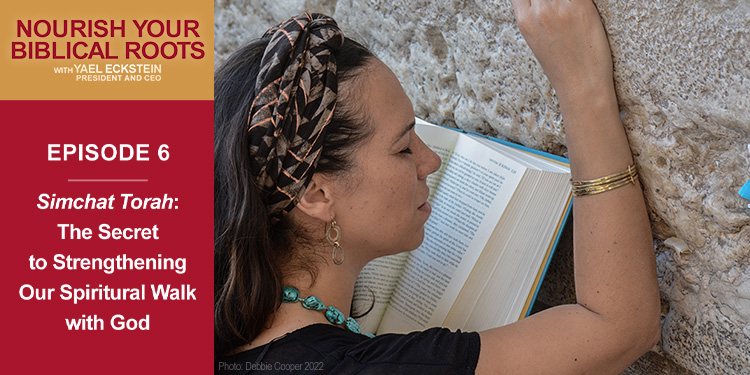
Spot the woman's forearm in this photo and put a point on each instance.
(615, 270)
(617, 315)
(614, 260)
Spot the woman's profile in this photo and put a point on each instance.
(318, 170)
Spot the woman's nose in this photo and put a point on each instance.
(430, 162)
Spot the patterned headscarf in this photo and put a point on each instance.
(295, 95)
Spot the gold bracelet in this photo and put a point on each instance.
(606, 183)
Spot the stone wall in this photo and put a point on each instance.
(683, 79)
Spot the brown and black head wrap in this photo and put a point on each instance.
(295, 95)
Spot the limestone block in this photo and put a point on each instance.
(654, 364)
(682, 70)
(237, 22)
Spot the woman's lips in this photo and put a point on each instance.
(425, 207)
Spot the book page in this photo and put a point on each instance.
(374, 287)
(470, 199)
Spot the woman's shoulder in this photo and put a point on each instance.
(325, 349)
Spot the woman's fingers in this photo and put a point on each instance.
(568, 39)
(520, 6)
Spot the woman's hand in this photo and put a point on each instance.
(569, 41)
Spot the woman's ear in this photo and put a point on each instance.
(317, 201)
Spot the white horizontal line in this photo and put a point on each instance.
(106, 180)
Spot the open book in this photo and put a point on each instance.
(497, 213)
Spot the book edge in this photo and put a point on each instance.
(550, 253)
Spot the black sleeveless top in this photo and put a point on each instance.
(325, 349)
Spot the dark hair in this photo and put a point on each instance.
(252, 251)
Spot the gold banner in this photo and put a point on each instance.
(94, 50)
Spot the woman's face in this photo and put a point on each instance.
(382, 207)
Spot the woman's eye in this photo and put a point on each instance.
(406, 151)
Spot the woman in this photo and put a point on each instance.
(305, 98)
